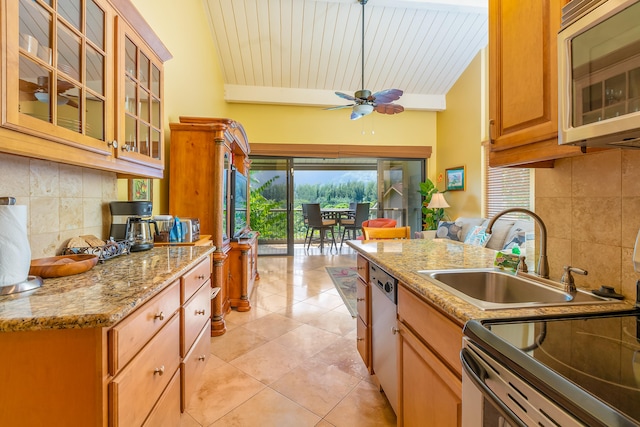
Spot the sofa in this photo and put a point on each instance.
(506, 234)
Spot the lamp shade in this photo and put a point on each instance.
(438, 201)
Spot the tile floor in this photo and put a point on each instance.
(291, 360)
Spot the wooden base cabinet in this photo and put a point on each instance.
(243, 262)
(363, 304)
(130, 374)
(429, 370)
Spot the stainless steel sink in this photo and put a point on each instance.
(493, 289)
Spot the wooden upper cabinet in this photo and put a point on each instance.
(58, 59)
(140, 113)
(82, 84)
(523, 82)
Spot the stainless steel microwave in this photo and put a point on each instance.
(599, 73)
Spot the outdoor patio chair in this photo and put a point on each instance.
(316, 222)
(351, 226)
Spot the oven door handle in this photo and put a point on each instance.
(478, 374)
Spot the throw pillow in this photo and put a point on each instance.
(448, 230)
(516, 237)
(477, 236)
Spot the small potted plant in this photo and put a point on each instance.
(430, 216)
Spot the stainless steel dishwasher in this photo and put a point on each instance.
(384, 325)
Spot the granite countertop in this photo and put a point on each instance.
(403, 258)
(101, 296)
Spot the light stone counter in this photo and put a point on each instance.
(403, 258)
(101, 296)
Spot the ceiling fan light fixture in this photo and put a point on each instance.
(361, 110)
(44, 97)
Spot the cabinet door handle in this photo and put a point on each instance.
(491, 124)
(159, 371)
(201, 277)
(200, 312)
(159, 316)
(112, 144)
(126, 147)
(359, 339)
(201, 358)
(359, 299)
(395, 330)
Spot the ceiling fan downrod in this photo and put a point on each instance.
(362, 94)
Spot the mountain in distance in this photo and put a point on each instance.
(333, 177)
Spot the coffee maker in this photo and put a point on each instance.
(122, 211)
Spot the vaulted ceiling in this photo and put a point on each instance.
(299, 52)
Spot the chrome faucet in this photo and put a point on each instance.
(543, 263)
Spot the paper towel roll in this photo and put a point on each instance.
(15, 252)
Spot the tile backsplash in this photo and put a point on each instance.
(63, 201)
(591, 206)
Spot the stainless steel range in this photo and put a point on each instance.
(553, 371)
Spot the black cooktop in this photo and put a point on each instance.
(600, 354)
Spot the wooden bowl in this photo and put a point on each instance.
(65, 265)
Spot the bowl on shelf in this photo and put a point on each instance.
(64, 265)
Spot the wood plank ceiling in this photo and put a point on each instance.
(299, 52)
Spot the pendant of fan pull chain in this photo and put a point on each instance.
(364, 102)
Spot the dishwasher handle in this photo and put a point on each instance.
(477, 374)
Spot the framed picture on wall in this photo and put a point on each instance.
(454, 178)
(140, 190)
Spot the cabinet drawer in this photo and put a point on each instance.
(363, 268)
(194, 363)
(192, 280)
(440, 333)
(130, 335)
(362, 301)
(195, 314)
(136, 389)
(167, 411)
(363, 341)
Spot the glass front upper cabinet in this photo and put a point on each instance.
(140, 135)
(59, 87)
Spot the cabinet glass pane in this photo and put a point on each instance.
(155, 144)
(130, 57)
(69, 46)
(130, 99)
(144, 105)
(145, 138)
(71, 11)
(592, 97)
(614, 89)
(155, 113)
(35, 30)
(634, 83)
(144, 71)
(95, 70)
(34, 90)
(155, 81)
(95, 24)
(69, 116)
(95, 114)
(130, 132)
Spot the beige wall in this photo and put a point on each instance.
(460, 134)
(591, 206)
(62, 201)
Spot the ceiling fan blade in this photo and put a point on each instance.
(387, 95)
(27, 86)
(345, 96)
(72, 103)
(389, 108)
(339, 107)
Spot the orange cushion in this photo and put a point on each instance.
(380, 222)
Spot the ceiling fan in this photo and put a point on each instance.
(40, 91)
(365, 102)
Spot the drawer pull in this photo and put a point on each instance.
(201, 277)
(359, 339)
(201, 358)
(159, 370)
(200, 312)
(359, 299)
(159, 316)
(395, 330)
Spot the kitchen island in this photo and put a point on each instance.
(429, 323)
(119, 344)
